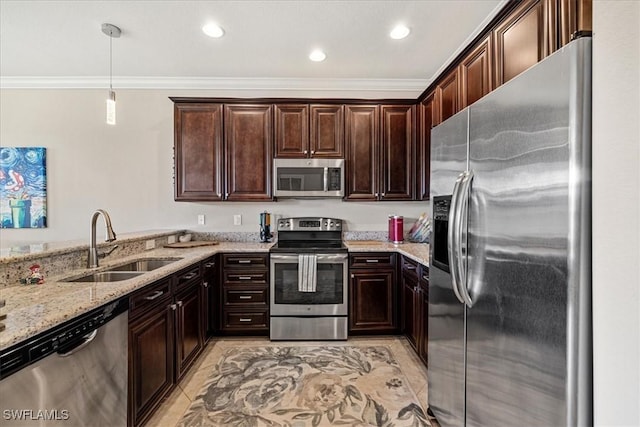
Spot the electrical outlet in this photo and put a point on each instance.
(201, 219)
(150, 244)
(171, 239)
(237, 220)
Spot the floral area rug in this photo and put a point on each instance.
(306, 386)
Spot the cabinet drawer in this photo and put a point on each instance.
(187, 276)
(245, 277)
(209, 266)
(149, 297)
(245, 296)
(245, 260)
(373, 259)
(424, 277)
(410, 267)
(245, 319)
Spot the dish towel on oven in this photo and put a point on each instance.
(307, 273)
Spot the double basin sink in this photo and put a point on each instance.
(126, 271)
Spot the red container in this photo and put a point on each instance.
(396, 229)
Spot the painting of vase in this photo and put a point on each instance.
(23, 187)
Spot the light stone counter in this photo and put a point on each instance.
(417, 251)
(32, 309)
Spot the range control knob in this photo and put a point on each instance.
(331, 224)
(337, 223)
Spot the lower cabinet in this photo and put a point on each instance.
(373, 292)
(423, 303)
(166, 335)
(415, 305)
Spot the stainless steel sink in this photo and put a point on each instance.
(108, 276)
(144, 264)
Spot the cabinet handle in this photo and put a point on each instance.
(220, 195)
(305, 151)
(154, 295)
(377, 194)
(243, 319)
(210, 264)
(205, 284)
(409, 267)
(179, 303)
(173, 307)
(244, 261)
(244, 277)
(245, 297)
(313, 152)
(353, 276)
(382, 194)
(373, 260)
(188, 276)
(425, 278)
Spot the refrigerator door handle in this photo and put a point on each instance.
(465, 194)
(453, 237)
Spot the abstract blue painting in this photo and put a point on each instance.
(23, 187)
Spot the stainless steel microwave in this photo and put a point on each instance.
(308, 177)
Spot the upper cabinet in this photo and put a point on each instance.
(427, 118)
(524, 38)
(379, 152)
(303, 130)
(447, 95)
(475, 72)
(222, 152)
(198, 152)
(248, 152)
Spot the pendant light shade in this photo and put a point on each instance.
(111, 31)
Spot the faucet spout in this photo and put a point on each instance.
(110, 237)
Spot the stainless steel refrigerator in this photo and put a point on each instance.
(510, 272)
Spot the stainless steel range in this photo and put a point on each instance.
(309, 280)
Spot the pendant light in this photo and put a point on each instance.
(111, 31)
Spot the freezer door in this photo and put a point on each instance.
(446, 313)
(521, 237)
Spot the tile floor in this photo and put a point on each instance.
(180, 399)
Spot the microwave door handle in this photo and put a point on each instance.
(325, 178)
(452, 237)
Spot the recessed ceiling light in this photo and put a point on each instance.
(213, 30)
(399, 32)
(317, 55)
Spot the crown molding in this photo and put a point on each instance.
(401, 87)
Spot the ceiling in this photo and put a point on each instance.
(59, 44)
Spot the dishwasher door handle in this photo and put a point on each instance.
(86, 342)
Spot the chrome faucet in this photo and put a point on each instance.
(111, 236)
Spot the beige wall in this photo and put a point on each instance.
(616, 212)
(127, 169)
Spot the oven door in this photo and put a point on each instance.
(330, 296)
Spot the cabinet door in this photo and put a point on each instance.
(397, 152)
(574, 16)
(151, 363)
(409, 310)
(423, 325)
(362, 133)
(524, 38)
(189, 327)
(372, 301)
(198, 152)
(327, 131)
(292, 130)
(248, 152)
(475, 74)
(448, 92)
(427, 113)
(212, 302)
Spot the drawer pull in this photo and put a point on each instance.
(244, 319)
(210, 264)
(426, 278)
(245, 297)
(205, 284)
(244, 261)
(244, 277)
(410, 267)
(189, 276)
(372, 260)
(153, 296)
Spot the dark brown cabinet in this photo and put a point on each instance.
(166, 335)
(151, 350)
(245, 293)
(373, 295)
(427, 111)
(415, 305)
(525, 37)
(575, 16)
(475, 73)
(248, 154)
(448, 96)
(303, 130)
(198, 152)
(379, 152)
(211, 296)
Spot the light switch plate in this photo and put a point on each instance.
(171, 239)
(150, 244)
(201, 219)
(237, 220)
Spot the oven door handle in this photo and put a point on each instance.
(284, 257)
(323, 258)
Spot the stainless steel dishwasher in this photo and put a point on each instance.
(74, 374)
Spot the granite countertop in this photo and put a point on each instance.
(35, 308)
